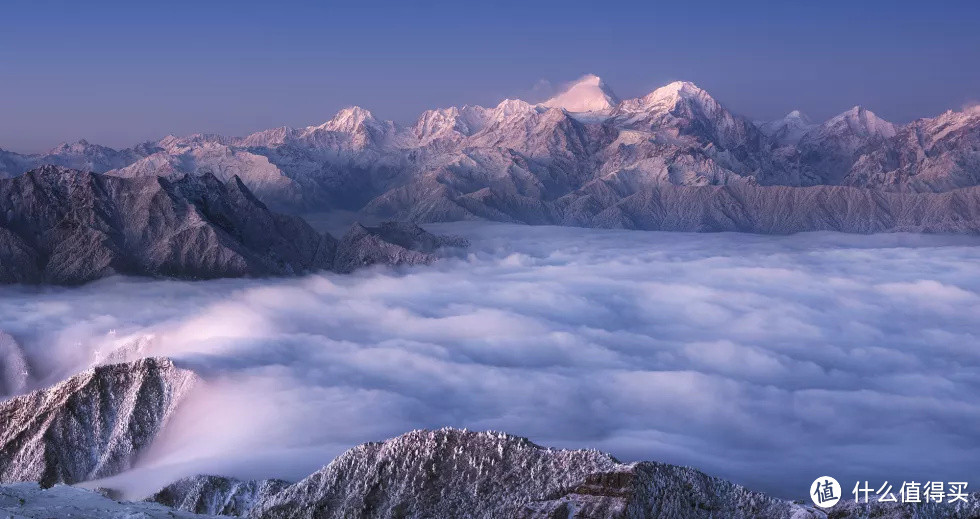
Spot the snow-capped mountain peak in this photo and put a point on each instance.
(172, 142)
(510, 107)
(80, 146)
(81, 143)
(588, 94)
(667, 97)
(679, 88)
(860, 121)
(676, 91)
(270, 137)
(443, 122)
(349, 120)
(788, 130)
(797, 115)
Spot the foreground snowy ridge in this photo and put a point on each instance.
(93, 425)
(29, 501)
(60, 434)
(460, 474)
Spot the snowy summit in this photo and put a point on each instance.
(588, 94)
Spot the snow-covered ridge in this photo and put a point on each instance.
(520, 161)
(489, 474)
(860, 121)
(92, 425)
(457, 473)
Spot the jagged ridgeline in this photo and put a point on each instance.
(66, 226)
(587, 157)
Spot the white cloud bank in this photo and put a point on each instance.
(765, 360)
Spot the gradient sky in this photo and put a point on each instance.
(118, 73)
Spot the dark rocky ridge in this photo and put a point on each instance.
(67, 227)
(90, 426)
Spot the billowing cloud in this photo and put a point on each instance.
(765, 360)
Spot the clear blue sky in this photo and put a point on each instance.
(123, 72)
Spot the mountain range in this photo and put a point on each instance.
(579, 158)
(64, 226)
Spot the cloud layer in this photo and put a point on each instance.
(765, 360)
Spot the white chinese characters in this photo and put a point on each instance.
(912, 492)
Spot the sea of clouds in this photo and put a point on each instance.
(765, 360)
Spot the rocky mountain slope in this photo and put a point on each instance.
(65, 226)
(937, 154)
(512, 162)
(454, 473)
(80, 155)
(391, 243)
(216, 495)
(457, 473)
(92, 425)
(774, 210)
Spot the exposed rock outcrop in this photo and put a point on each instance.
(90, 426)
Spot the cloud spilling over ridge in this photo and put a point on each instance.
(765, 360)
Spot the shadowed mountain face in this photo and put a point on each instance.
(544, 163)
(66, 227)
(92, 425)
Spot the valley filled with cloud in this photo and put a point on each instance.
(767, 360)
